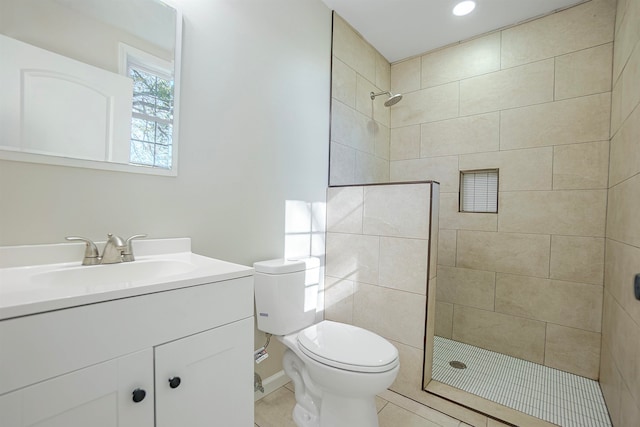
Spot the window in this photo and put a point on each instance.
(479, 191)
(152, 111)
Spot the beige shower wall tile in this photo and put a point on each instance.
(434, 230)
(371, 169)
(577, 259)
(567, 212)
(584, 73)
(391, 313)
(451, 218)
(383, 72)
(577, 28)
(342, 168)
(338, 299)
(447, 247)
(463, 286)
(625, 154)
(344, 209)
(610, 384)
(405, 143)
(629, 407)
(581, 166)
(397, 210)
(405, 76)
(571, 304)
(381, 140)
(473, 134)
(409, 379)
(616, 98)
(352, 49)
(528, 169)
(514, 336)
(621, 265)
(573, 350)
(630, 79)
(622, 336)
(351, 128)
(403, 264)
(583, 119)
(514, 87)
(526, 254)
(371, 108)
(426, 105)
(622, 214)
(627, 34)
(441, 169)
(467, 59)
(444, 319)
(353, 257)
(343, 83)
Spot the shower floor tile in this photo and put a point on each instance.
(555, 396)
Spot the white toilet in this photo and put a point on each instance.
(337, 369)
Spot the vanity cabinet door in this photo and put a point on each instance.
(98, 396)
(206, 379)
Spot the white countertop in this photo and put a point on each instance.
(27, 289)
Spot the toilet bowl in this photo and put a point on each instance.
(337, 369)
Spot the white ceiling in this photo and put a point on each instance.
(403, 28)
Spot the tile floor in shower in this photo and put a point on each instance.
(394, 410)
(558, 397)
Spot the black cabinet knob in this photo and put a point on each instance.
(174, 382)
(138, 395)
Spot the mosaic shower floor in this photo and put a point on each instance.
(555, 396)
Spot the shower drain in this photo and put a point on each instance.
(457, 365)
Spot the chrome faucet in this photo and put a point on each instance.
(115, 250)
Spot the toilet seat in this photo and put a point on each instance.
(347, 347)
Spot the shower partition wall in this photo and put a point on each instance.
(381, 255)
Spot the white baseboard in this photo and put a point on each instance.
(271, 384)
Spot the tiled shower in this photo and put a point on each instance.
(553, 105)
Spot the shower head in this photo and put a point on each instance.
(393, 99)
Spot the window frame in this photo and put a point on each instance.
(131, 57)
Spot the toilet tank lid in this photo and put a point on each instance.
(283, 266)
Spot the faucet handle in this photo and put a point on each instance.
(127, 255)
(91, 255)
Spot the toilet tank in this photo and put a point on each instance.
(286, 294)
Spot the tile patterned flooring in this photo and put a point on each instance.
(558, 397)
(274, 410)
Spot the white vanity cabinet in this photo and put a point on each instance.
(214, 368)
(80, 366)
(97, 396)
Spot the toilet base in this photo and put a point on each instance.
(340, 411)
(317, 408)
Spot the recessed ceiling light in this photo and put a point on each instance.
(464, 7)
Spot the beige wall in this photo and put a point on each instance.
(620, 365)
(245, 150)
(359, 126)
(378, 249)
(532, 100)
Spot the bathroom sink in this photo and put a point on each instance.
(39, 278)
(106, 275)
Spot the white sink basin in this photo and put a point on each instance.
(39, 278)
(110, 274)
